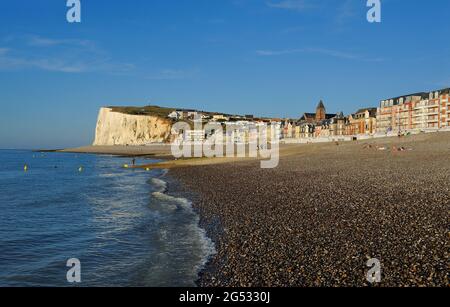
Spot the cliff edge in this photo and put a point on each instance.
(116, 128)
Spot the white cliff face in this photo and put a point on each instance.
(135, 130)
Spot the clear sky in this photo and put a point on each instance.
(263, 57)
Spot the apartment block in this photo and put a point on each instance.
(419, 111)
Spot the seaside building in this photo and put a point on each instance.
(436, 109)
(322, 125)
(297, 132)
(220, 117)
(320, 112)
(176, 115)
(320, 115)
(288, 129)
(396, 114)
(313, 125)
(186, 115)
(337, 125)
(307, 130)
(419, 111)
(364, 121)
(322, 129)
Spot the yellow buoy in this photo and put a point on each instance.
(25, 168)
(125, 166)
(80, 169)
(147, 169)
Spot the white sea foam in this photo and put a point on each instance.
(159, 184)
(196, 233)
(208, 246)
(112, 175)
(183, 202)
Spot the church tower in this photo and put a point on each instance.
(320, 112)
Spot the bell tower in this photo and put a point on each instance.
(320, 111)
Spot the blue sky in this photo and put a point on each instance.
(272, 58)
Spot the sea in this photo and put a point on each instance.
(119, 223)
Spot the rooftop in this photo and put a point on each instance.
(421, 94)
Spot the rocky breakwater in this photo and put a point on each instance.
(118, 128)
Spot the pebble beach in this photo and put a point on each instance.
(317, 218)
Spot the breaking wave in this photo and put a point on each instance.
(184, 230)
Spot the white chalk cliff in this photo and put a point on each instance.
(114, 128)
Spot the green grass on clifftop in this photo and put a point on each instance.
(148, 110)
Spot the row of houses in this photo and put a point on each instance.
(193, 115)
(324, 125)
(414, 112)
(425, 111)
(242, 131)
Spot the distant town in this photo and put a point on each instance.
(412, 113)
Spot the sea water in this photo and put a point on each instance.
(120, 223)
